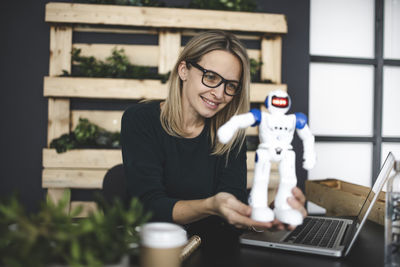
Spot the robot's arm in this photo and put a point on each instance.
(308, 141)
(242, 121)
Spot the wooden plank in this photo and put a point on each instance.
(169, 44)
(104, 88)
(58, 118)
(60, 49)
(340, 202)
(76, 178)
(271, 56)
(60, 59)
(129, 88)
(241, 36)
(90, 28)
(58, 109)
(109, 120)
(82, 158)
(87, 208)
(165, 17)
(141, 55)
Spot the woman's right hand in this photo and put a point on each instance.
(234, 211)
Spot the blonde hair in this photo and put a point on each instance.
(171, 114)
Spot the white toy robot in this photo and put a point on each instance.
(276, 130)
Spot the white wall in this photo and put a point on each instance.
(342, 95)
(343, 28)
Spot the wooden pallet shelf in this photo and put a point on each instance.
(174, 18)
(85, 168)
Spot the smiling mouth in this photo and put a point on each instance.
(210, 103)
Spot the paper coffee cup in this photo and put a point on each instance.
(161, 244)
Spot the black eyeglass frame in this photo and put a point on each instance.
(223, 80)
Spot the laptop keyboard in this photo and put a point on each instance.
(316, 232)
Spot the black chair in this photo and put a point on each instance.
(114, 185)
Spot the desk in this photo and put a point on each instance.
(367, 251)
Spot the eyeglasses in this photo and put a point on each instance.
(213, 80)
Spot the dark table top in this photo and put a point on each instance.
(367, 251)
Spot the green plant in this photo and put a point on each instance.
(115, 66)
(52, 236)
(233, 5)
(64, 143)
(86, 134)
(255, 66)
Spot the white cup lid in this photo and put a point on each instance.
(162, 235)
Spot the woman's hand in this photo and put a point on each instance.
(234, 211)
(238, 214)
(296, 202)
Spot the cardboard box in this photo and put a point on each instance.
(340, 198)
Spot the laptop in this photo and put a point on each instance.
(329, 236)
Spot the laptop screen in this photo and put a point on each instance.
(374, 193)
(377, 187)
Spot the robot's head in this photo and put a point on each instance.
(278, 102)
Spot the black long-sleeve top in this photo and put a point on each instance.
(162, 169)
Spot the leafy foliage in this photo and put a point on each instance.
(52, 236)
(116, 66)
(232, 5)
(255, 69)
(86, 134)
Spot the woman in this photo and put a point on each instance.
(172, 158)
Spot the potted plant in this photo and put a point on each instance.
(51, 237)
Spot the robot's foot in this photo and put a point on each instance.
(262, 214)
(289, 216)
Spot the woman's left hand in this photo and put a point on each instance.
(296, 202)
